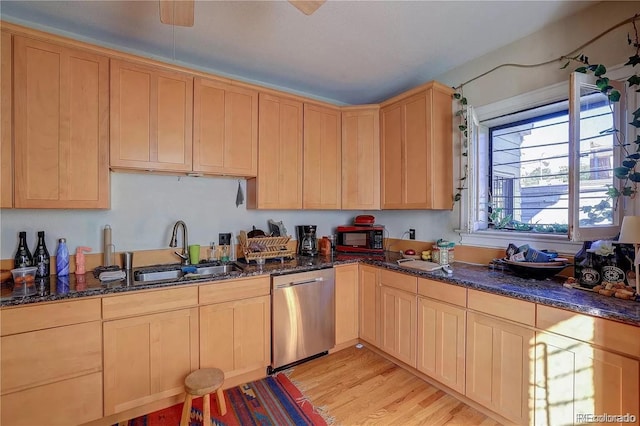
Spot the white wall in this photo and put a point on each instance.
(144, 208)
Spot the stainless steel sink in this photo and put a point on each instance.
(216, 270)
(177, 273)
(157, 275)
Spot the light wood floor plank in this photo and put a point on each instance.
(359, 387)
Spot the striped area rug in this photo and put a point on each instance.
(270, 401)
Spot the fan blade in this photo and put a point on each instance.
(177, 12)
(307, 6)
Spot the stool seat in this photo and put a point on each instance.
(204, 381)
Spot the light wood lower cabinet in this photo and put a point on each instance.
(236, 336)
(347, 310)
(398, 324)
(51, 376)
(369, 296)
(441, 342)
(499, 370)
(573, 378)
(146, 358)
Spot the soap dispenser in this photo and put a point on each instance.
(80, 259)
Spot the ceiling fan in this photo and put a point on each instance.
(180, 12)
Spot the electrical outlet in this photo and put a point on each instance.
(412, 234)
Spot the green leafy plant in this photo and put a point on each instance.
(463, 127)
(629, 170)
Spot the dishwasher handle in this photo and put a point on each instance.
(295, 283)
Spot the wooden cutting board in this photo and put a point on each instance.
(421, 265)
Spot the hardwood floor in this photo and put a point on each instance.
(357, 386)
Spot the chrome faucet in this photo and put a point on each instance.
(173, 243)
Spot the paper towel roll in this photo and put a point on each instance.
(107, 247)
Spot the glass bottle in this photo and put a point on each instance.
(23, 256)
(41, 257)
(62, 258)
(589, 275)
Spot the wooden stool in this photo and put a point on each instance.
(202, 383)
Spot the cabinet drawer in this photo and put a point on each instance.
(147, 302)
(504, 307)
(39, 357)
(400, 281)
(37, 317)
(442, 291)
(224, 291)
(68, 402)
(609, 334)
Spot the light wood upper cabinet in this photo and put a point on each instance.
(151, 118)
(146, 358)
(279, 181)
(6, 123)
(499, 366)
(361, 158)
(347, 310)
(225, 129)
(61, 126)
(417, 150)
(322, 177)
(573, 377)
(369, 296)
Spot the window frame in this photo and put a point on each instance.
(473, 206)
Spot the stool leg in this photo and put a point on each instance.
(206, 402)
(222, 405)
(186, 410)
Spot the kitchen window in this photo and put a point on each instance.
(528, 180)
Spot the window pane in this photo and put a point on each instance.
(529, 172)
(595, 155)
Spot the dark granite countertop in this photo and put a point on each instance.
(548, 292)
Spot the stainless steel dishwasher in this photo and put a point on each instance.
(302, 316)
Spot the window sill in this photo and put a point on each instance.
(501, 239)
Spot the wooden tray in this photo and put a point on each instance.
(419, 264)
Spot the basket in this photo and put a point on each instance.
(271, 247)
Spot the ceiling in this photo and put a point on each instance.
(348, 52)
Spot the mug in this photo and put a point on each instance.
(194, 254)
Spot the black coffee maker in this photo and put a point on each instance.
(307, 240)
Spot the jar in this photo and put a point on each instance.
(442, 253)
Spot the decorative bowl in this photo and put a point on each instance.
(538, 271)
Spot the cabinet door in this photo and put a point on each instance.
(392, 146)
(225, 129)
(417, 151)
(499, 374)
(574, 378)
(151, 118)
(440, 181)
(346, 303)
(398, 327)
(369, 296)
(361, 159)
(61, 101)
(6, 124)
(322, 165)
(235, 336)
(146, 358)
(279, 181)
(441, 342)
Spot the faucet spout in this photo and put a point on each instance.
(184, 255)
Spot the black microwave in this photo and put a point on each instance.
(360, 239)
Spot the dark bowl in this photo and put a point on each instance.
(533, 270)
